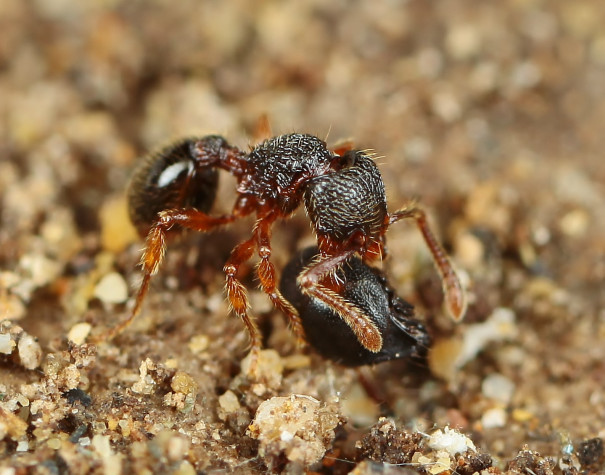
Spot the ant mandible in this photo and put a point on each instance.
(344, 197)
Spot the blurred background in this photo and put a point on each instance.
(490, 113)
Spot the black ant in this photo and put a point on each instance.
(344, 197)
(367, 289)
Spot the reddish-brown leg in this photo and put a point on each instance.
(155, 248)
(238, 298)
(262, 129)
(311, 283)
(343, 147)
(455, 296)
(268, 280)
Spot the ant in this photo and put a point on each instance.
(367, 289)
(344, 197)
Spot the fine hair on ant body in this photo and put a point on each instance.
(343, 195)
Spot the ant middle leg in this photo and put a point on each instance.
(455, 296)
(268, 280)
(312, 282)
(238, 298)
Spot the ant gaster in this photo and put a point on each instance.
(365, 287)
(344, 197)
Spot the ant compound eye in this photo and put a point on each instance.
(365, 287)
(167, 179)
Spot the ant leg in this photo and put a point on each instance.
(262, 129)
(310, 282)
(155, 248)
(455, 296)
(343, 147)
(268, 281)
(238, 299)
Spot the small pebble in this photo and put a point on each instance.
(117, 230)
(269, 367)
(145, 383)
(469, 250)
(443, 355)
(493, 418)
(198, 343)
(79, 332)
(443, 464)
(574, 223)
(11, 307)
(30, 352)
(54, 443)
(522, 415)
(112, 288)
(183, 383)
(23, 446)
(40, 269)
(177, 448)
(446, 106)
(463, 41)
(499, 326)
(360, 408)
(498, 387)
(7, 344)
(294, 425)
(451, 441)
(229, 402)
(185, 468)
(296, 361)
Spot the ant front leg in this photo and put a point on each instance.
(155, 248)
(455, 296)
(268, 281)
(311, 282)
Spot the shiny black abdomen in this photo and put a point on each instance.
(168, 179)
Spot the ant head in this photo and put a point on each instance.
(365, 287)
(350, 201)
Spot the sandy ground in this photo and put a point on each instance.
(488, 113)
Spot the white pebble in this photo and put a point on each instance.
(78, 333)
(452, 441)
(30, 352)
(23, 446)
(498, 387)
(499, 326)
(493, 418)
(7, 345)
(112, 288)
(229, 402)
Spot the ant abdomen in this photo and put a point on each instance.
(403, 336)
(170, 178)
